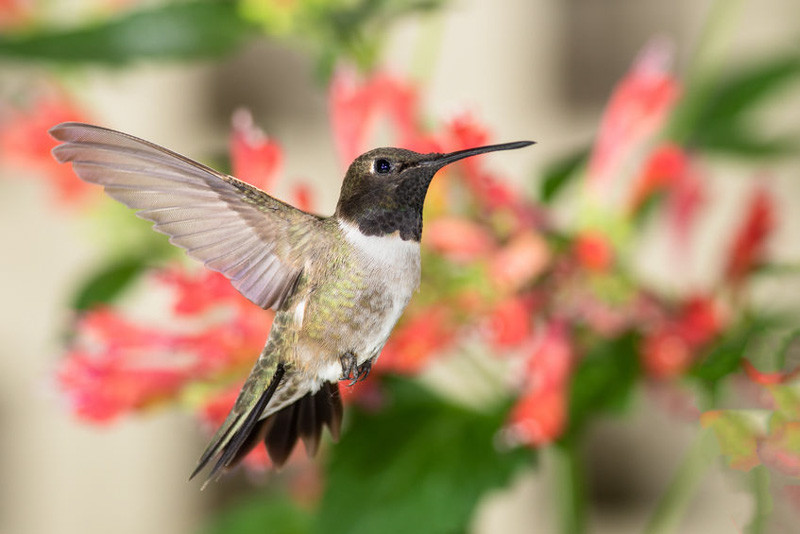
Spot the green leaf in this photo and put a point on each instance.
(181, 30)
(420, 465)
(726, 356)
(273, 513)
(713, 115)
(109, 282)
(743, 91)
(737, 433)
(603, 381)
(560, 174)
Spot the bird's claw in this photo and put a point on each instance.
(351, 370)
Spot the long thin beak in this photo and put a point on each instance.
(440, 160)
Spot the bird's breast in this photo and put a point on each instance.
(350, 301)
(390, 267)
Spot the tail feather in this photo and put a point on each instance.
(234, 434)
(304, 419)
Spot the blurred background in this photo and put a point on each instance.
(540, 70)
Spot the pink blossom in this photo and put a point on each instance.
(459, 239)
(117, 365)
(519, 262)
(255, 159)
(539, 415)
(356, 106)
(24, 142)
(749, 244)
(510, 323)
(637, 108)
(594, 251)
(416, 340)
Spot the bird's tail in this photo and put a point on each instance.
(303, 418)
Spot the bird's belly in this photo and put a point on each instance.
(356, 314)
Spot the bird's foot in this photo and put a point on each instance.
(349, 365)
(351, 370)
(363, 371)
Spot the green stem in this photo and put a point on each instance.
(672, 506)
(570, 491)
(763, 500)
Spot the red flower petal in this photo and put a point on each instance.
(412, 344)
(666, 353)
(594, 251)
(254, 158)
(100, 389)
(638, 106)
(510, 323)
(750, 240)
(24, 141)
(461, 240)
(539, 417)
(356, 107)
(519, 262)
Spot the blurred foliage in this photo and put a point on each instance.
(172, 31)
(717, 115)
(603, 382)
(271, 512)
(419, 464)
(560, 174)
(198, 29)
(108, 282)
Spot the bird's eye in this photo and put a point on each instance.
(382, 166)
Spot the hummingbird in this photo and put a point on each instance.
(337, 284)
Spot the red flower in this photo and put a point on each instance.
(519, 262)
(24, 141)
(118, 365)
(413, 343)
(539, 416)
(14, 14)
(594, 251)
(664, 167)
(669, 170)
(461, 240)
(303, 197)
(101, 388)
(672, 347)
(666, 353)
(749, 244)
(638, 106)
(199, 290)
(768, 379)
(510, 323)
(254, 158)
(356, 107)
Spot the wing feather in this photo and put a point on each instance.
(257, 241)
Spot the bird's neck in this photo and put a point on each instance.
(379, 222)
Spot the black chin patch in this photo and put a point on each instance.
(379, 223)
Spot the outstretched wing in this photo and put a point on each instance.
(257, 241)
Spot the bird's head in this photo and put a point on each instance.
(384, 189)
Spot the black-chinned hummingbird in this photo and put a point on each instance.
(338, 284)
